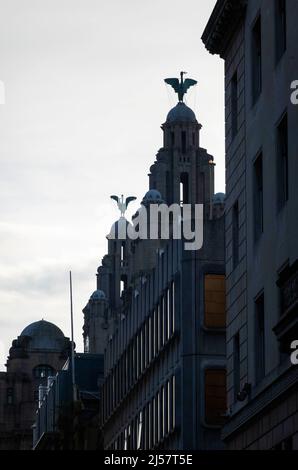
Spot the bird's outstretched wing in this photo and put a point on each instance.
(174, 82)
(188, 82)
(129, 199)
(116, 198)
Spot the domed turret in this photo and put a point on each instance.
(152, 196)
(219, 198)
(98, 295)
(44, 335)
(181, 113)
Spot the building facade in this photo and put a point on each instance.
(159, 312)
(68, 414)
(258, 41)
(39, 352)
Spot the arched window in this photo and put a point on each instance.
(43, 371)
(184, 189)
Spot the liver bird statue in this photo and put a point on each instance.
(122, 204)
(181, 86)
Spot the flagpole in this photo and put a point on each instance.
(72, 340)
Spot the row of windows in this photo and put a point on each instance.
(280, 44)
(39, 372)
(158, 419)
(144, 347)
(256, 56)
(282, 185)
(153, 423)
(10, 396)
(183, 140)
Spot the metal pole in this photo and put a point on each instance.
(72, 342)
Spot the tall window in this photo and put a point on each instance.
(258, 196)
(172, 139)
(215, 301)
(260, 338)
(215, 396)
(9, 396)
(280, 28)
(183, 141)
(234, 104)
(236, 365)
(235, 234)
(282, 162)
(256, 59)
(184, 188)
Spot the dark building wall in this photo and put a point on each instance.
(258, 284)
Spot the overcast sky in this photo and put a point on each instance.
(85, 99)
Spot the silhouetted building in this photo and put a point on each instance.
(68, 422)
(38, 353)
(258, 41)
(159, 312)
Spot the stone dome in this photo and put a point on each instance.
(44, 336)
(219, 198)
(98, 295)
(181, 113)
(152, 196)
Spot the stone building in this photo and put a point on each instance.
(66, 420)
(159, 312)
(258, 41)
(39, 352)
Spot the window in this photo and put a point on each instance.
(173, 402)
(140, 431)
(235, 234)
(43, 371)
(259, 338)
(215, 396)
(183, 141)
(258, 196)
(9, 396)
(87, 344)
(172, 139)
(236, 365)
(282, 162)
(173, 306)
(158, 415)
(215, 302)
(184, 189)
(280, 28)
(256, 59)
(169, 411)
(234, 104)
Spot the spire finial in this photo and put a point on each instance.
(182, 86)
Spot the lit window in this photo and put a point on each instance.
(215, 302)
(215, 396)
